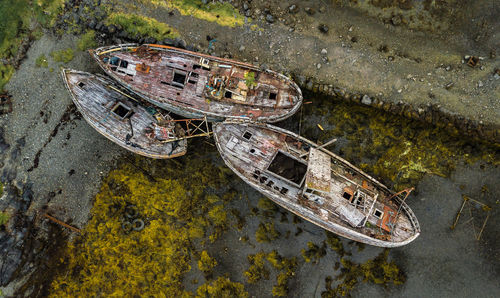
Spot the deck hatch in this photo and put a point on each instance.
(179, 78)
(288, 168)
(121, 110)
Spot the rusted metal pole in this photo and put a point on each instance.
(57, 221)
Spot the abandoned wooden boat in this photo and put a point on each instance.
(316, 184)
(195, 85)
(122, 119)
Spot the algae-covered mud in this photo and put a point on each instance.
(189, 226)
(398, 150)
(207, 234)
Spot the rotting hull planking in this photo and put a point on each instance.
(195, 85)
(253, 160)
(98, 98)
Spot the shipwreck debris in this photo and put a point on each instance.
(196, 85)
(124, 120)
(469, 202)
(316, 184)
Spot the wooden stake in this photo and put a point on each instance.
(484, 224)
(458, 215)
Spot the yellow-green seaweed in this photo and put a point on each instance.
(393, 148)
(108, 261)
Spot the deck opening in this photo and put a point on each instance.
(270, 183)
(194, 75)
(179, 78)
(121, 110)
(252, 150)
(288, 168)
(123, 64)
(273, 95)
(378, 214)
(247, 135)
(228, 94)
(346, 195)
(191, 82)
(263, 179)
(196, 66)
(284, 190)
(81, 84)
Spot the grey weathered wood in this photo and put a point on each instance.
(354, 218)
(204, 90)
(95, 96)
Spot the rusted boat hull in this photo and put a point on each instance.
(196, 85)
(117, 116)
(254, 162)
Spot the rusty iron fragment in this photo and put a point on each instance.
(128, 122)
(316, 184)
(59, 222)
(196, 85)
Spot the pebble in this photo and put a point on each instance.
(366, 100)
(310, 11)
(270, 18)
(245, 6)
(396, 20)
(480, 84)
(323, 28)
(324, 51)
(496, 76)
(318, 66)
(293, 8)
(242, 48)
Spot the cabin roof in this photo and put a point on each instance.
(318, 174)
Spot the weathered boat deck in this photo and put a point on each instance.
(196, 85)
(316, 184)
(124, 121)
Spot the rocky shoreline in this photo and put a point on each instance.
(431, 112)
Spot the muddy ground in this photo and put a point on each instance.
(367, 54)
(55, 161)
